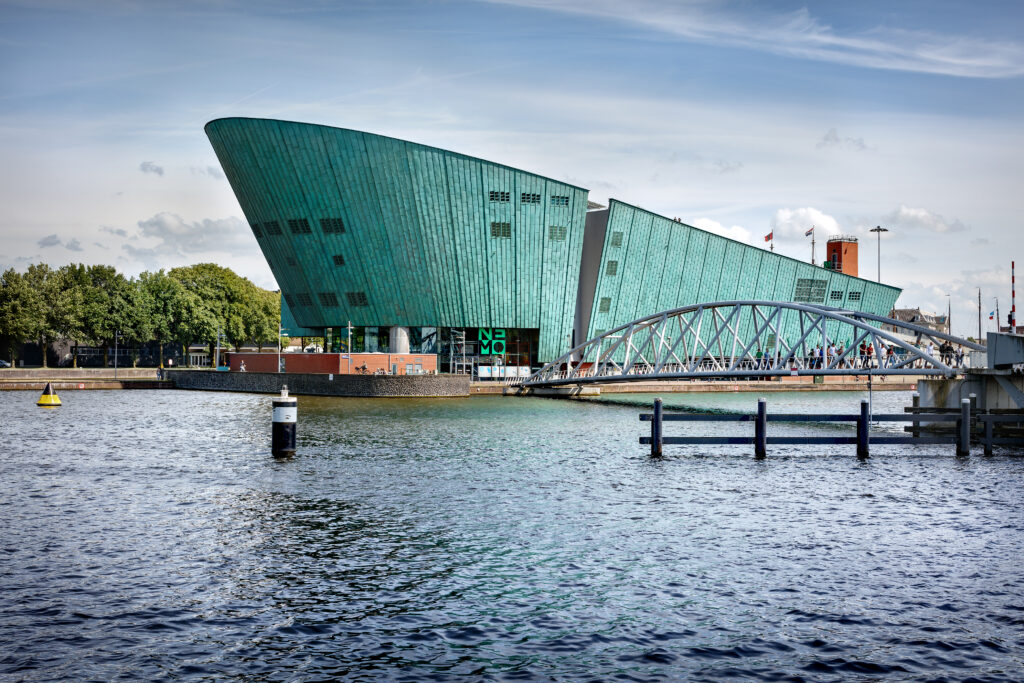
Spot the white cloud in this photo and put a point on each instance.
(796, 222)
(831, 139)
(176, 236)
(910, 218)
(211, 171)
(150, 167)
(735, 232)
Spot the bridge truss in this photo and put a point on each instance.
(723, 340)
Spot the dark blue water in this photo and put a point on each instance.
(149, 535)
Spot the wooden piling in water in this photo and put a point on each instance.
(761, 430)
(656, 430)
(963, 443)
(916, 403)
(862, 430)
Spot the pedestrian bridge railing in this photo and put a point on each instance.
(751, 339)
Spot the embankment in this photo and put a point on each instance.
(324, 385)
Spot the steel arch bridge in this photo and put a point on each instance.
(723, 340)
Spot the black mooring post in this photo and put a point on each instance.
(862, 430)
(656, 440)
(988, 437)
(963, 443)
(916, 402)
(282, 438)
(761, 430)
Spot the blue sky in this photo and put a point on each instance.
(739, 117)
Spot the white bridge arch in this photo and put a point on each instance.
(722, 340)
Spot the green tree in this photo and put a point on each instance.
(69, 304)
(21, 312)
(242, 311)
(110, 308)
(42, 280)
(263, 317)
(192, 321)
(162, 297)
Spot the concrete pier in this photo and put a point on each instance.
(999, 385)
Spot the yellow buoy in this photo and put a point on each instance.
(49, 399)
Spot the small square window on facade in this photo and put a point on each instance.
(529, 198)
(616, 240)
(291, 260)
(499, 196)
(501, 229)
(836, 295)
(304, 299)
(299, 226)
(328, 299)
(604, 305)
(332, 226)
(557, 233)
(272, 228)
(339, 260)
(357, 299)
(612, 268)
(559, 200)
(853, 296)
(256, 230)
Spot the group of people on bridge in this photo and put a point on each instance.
(864, 357)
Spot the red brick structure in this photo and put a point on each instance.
(842, 252)
(337, 363)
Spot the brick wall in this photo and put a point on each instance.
(322, 385)
(254, 362)
(334, 363)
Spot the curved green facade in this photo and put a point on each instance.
(420, 237)
(382, 232)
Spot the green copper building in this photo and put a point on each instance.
(415, 246)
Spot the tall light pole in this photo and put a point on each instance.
(949, 314)
(879, 229)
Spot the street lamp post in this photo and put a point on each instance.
(879, 229)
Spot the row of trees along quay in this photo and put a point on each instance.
(93, 305)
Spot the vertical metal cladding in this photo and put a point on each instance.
(381, 231)
(661, 264)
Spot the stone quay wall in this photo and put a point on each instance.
(323, 385)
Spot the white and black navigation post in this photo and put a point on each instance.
(286, 411)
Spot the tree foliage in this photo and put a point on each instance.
(96, 305)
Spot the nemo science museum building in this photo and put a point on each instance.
(423, 250)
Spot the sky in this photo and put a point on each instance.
(739, 117)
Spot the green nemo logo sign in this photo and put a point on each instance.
(492, 342)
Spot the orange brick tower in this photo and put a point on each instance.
(841, 252)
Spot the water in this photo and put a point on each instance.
(149, 535)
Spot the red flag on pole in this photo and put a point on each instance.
(768, 237)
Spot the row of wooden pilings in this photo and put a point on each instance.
(961, 436)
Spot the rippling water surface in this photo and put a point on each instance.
(149, 535)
